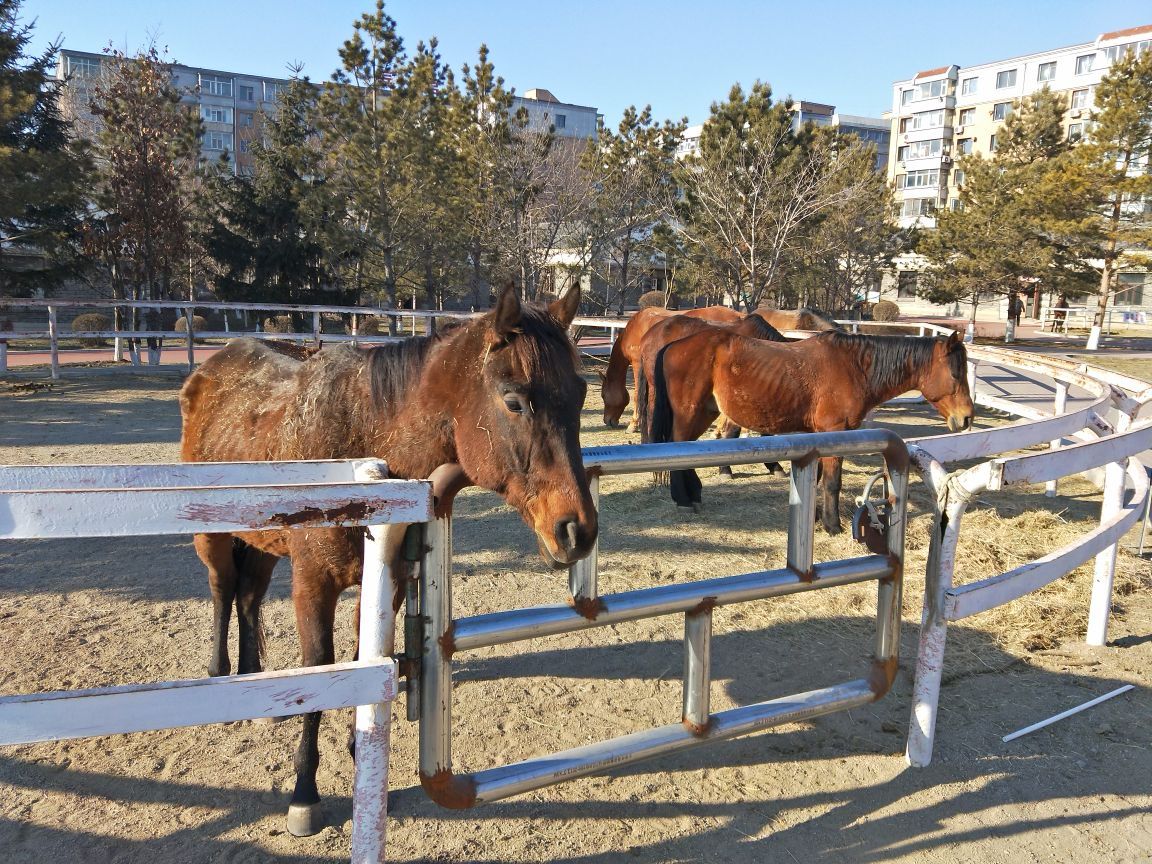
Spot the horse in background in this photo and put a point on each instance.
(804, 318)
(826, 383)
(500, 394)
(667, 331)
(626, 352)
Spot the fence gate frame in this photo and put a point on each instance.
(430, 691)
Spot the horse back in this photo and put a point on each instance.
(223, 402)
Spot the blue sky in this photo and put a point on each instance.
(677, 56)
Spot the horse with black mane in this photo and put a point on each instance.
(804, 318)
(500, 394)
(626, 352)
(826, 383)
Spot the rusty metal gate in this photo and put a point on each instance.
(879, 523)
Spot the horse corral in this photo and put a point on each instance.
(834, 787)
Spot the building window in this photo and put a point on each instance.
(271, 91)
(920, 150)
(83, 67)
(1130, 289)
(216, 85)
(968, 86)
(217, 140)
(906, 96)
(954, 205)
(919, 179)
(246, 120)
(1007, 78)
(215, 114)
(1001, 110)
(966, 116)
(931, 89)
(1079, 99)
(1084, 63)
(561, 121)
(992, 144)
(244, 145)
(246, 92)
(964, 146)
(906, 284)
(918, 207)
(958, 179)
(1046, 71)
(1075, 131)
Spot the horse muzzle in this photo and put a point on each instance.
(568, 540)
(959, 422)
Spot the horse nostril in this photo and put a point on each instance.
(567, 534)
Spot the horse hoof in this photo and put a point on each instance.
(304, 820)
(833, 530)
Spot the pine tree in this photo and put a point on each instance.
(1115, 157)
(44, 170)
(264, 235)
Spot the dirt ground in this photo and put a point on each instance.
(835, 789)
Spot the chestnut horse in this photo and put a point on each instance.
(823, 384)
(500, 394)
(667, 331)
(803, 318)
(626, 352)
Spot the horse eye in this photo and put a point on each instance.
(513, 404)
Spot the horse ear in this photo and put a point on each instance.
(506, 318)
(564, 309)
(954, 339)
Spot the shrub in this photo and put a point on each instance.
(198, 323)
(368, 326)
(278, 324)
(885, 310)
(90, 321)
(653, 298)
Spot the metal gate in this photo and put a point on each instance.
(879, 524)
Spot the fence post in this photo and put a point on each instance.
(373, 722)
(316, 327)
(436, 669)
(53, 343)
(1059, 405)
(582, 574)
(191, 351)
(3, 356)
(1104, 570)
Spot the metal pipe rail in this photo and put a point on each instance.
(443, 636)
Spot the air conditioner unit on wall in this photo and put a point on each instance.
(945, 159)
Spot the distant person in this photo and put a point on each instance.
(1015, 309)
(1059, 312)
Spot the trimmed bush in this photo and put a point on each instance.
(653, 298)
(198, 323)
(885, 310)
(278, 324)
(368, 326)
(90, 321)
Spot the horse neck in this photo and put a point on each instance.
(617, 364)
(878, 391)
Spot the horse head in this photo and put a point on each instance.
(615, 396)
(944, 383)
(517, 427)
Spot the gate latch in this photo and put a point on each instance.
(870, 520)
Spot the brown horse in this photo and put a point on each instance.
(667, 331)
(626, 352)
(803, 318)
(499, 394)
(823, 384)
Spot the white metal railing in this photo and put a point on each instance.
(133, 500)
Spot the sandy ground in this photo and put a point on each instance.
(836, 789)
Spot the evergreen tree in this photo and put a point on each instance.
(264, 236)
(44, 170)
(632, 169)
(1115, 157)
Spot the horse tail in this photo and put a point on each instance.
(241, 553)
(642, 408)
(658, 426)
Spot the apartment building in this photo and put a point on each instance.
(231, 104)
(941, 114)
(872, 130)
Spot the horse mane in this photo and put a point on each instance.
(394, 369)
(886, 360)
(813, 319)
(763, 330)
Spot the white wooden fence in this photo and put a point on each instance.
(39, 502)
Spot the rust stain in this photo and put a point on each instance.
(882, 676)
(807, 576)
(448, 790)
(698, 730)
(587, 607)
(353, 511)
(448, 641)
(705, 606)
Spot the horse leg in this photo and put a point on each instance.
(215, 550)
(315, 602)
(255, 572)
(634, 423)
(831, 469)
(727, 431)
